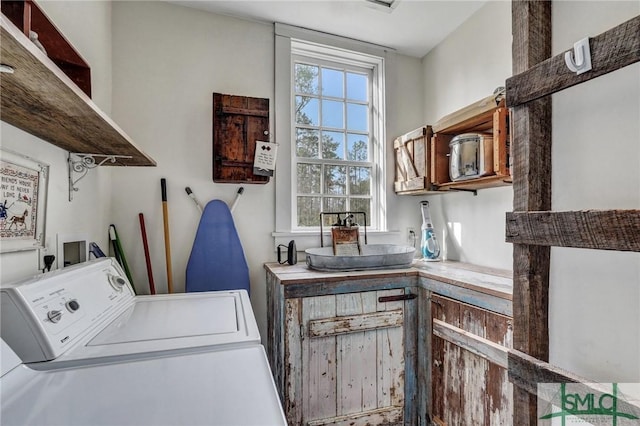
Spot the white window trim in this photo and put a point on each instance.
(283, 130)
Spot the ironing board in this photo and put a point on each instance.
(217, 260)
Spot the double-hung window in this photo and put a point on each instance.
(334, 168)
(329, 121)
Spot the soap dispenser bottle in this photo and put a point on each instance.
(429, 245)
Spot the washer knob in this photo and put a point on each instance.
(117, 282)
(72, 305)
(54, 316)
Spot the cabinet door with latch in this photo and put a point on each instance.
(345, 358)
(238, 122)
(470, 385)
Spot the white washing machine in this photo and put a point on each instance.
(89, 314)
(91, 352)
(230, 387)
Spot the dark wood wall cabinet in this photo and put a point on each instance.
(48, 94)
(408, 346)
(238, 122)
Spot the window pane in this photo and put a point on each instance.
(307, 143)
(332, 83)
(357, 87)
(361, 205)
(360, 180)
(309, 211)
(333, 145)
(309, 178)
(357, 147)
(333, 204)
(357, 117)
(307, 110)
(332, 114)
(335, 180)
(306, 79)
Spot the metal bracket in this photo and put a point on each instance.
(475, 191)
(82, 163)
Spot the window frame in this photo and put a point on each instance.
(308, 54)
(324, 43)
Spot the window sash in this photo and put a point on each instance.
(321, 59)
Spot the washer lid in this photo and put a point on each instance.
(229, 387)
(167, 324)
(167, 318)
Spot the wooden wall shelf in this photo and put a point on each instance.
(41, 100)
(422, 156)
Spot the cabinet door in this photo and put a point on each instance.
(238, 122)
(344, 359)
(469, 378)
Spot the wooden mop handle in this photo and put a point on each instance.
(167, 242)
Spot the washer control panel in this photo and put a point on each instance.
(65, 306)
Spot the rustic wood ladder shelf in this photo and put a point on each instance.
(532, 227)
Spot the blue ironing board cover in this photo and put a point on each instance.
(217, 260)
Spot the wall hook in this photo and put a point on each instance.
(579, 61)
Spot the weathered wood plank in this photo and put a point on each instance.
(526, 372)
(499, 399)
(531, 151)
(424, 357)
(480, 346)
(472, 297)
(275, 332)
(355, 323)
(380, 416)
(318, 357)
(409, 372)
(453, 364)
(593, 229)
(437, 363)
(41, 100)
(293, 404)
(385, 350)
(610, 51)
(304, 289)
(353, 364)
(497, 283)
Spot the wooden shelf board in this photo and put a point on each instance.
(41, 100)
(479, 183)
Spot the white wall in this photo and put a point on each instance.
(595, 295)
(168, 60)
(87, 25)
(467, 66)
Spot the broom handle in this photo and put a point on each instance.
(167, 242)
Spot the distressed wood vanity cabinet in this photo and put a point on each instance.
(407, 346)
(343, 350)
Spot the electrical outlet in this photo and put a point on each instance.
(48, 250)
(411, 235)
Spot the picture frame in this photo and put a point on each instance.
(23, 201)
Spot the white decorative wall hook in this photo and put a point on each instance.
(579, 61)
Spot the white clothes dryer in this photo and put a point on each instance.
(231, 387)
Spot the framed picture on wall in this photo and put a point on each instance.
(23, 200)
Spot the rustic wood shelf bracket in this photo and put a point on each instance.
(82, 163)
